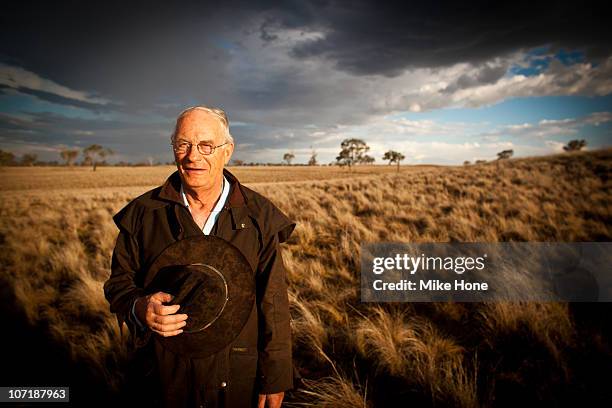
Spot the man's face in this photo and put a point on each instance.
(199, 171)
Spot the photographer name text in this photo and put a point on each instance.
(433, 285)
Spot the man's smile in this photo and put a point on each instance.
(194, 170)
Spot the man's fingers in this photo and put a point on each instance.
(162, 310)
(166, 328)
(168, 334)
(162, 319)
(169, 319)
(161, 297)
(156, 321)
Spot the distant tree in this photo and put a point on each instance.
(313, 159)
(353, 152)
(480, 161)
(6, 158)
(575, 145)
(238, 162)
(95, 154)
(28, 159)
(394, 157)
(367, 159)
(69, 156)
(505, 154)
(288, 157)
(466, 163)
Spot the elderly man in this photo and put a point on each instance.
(204, 198)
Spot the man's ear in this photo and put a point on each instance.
(228, 153)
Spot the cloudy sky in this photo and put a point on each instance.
(442, 83)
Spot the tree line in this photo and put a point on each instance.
(571, 146)
(354, 152)
(93, 155)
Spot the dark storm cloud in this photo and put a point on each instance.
(386, 38)
(486, 74)
(12, 123)
(131, 52)
(56, 129)
(267, 64)
(134, 140)
(61, 100)
(165, 45)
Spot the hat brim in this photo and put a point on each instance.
(220, 305)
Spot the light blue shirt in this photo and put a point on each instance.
(214, 214)
(208, 226)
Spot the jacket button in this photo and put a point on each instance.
(241, 225)
(223, 384)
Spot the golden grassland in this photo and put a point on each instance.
(108, 178)
(56, 255)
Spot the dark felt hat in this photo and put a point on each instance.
(214, 284)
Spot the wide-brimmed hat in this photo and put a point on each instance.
(214, 284)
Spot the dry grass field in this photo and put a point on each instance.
(57, 235)
(62, 178)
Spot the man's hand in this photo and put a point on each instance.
(270, 400)
(159, 318)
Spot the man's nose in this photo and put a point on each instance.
(194, 154)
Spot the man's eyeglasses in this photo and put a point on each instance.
(182, 147)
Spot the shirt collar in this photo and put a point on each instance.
(222, 198)
(171, 190)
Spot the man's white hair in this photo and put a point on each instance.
(218, 113)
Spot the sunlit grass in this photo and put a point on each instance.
(56, 248)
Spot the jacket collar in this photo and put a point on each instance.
(171, 190)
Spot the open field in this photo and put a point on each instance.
(56, 248)
(62, 178)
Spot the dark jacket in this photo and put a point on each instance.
(259, 359)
